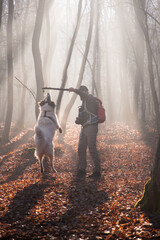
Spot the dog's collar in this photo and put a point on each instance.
(45, 112)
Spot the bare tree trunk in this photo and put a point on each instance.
(73, 98)
(46, 63)
(5, 136)
(143, 103)
(1, 10)
(97, 50)
(124, 46)
(150, 201)
(36, 53)
(20, 122)
(139, 76)
(65, 70)
(108, 95)
(137, 6)
(95, 54)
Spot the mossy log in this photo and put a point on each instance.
(150, 201)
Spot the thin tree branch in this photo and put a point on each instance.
(27, 89)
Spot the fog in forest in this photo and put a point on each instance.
(111, 46)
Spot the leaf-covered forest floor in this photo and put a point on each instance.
(58, 206)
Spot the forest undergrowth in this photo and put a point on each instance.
(58, 206)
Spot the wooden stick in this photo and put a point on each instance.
(61, 89)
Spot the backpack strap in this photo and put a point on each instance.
(93, 118)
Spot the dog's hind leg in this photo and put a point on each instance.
(39, 156)
(41, 164)
(49, 153)
(52, 166)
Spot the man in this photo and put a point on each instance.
(88, 119)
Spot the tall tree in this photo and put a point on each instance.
(46, 62)
(142, 18)
(123, 61)
(96, 56)
(1, 10)
(95, 52)
(65, 70)
(20, 122)
(37, 54)
(84, 60)
(5, 136)
(138, 80)
(150, 201)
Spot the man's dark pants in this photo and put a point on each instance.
(88, 138)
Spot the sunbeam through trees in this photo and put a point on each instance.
(113, 48)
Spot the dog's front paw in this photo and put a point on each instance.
(60, 130)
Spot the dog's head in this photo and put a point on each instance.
(48, 101)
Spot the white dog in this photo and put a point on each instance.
(45, 130)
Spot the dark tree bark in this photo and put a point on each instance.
(142, 18)
(65, 70)
(36, 53)
(5, 136)
(150, 201)
(1, 77)
(1, 10)
(73, 98)
(138, 99)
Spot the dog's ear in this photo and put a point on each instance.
(52, 104)
(48, 98)
(41, 103)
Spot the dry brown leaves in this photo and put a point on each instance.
(58, 206)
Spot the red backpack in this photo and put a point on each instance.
(101, 111)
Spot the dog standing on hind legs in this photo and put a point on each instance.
(45, 128)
